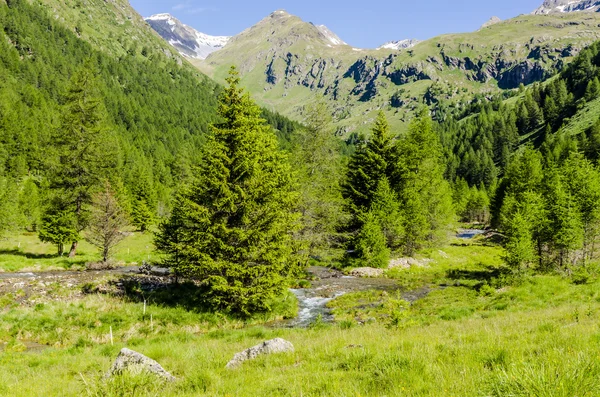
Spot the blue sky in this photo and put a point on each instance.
(357, 23)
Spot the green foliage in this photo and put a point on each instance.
(9, 206)
(57, 228)
(107, 222)
(318, 163)
(233, 229)
(84, 156)
(418, 180)
(372, 162)
(386, 210)
(401, 184)
(370, 243)
(550, 212)
(30, 203)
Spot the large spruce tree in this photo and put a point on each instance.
(371, 163)
(233, 227)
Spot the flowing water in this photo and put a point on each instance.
(469, 233)
(328, 285)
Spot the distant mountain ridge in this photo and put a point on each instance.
(187, 40)
(563, 6)
(284, 62)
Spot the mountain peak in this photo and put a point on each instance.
(279, 14)
(562, 6)
(187, 40)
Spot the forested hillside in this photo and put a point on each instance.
(533, 162)
(155, 109)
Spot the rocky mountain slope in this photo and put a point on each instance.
(561, 6)
(285, 61)
(188, 41)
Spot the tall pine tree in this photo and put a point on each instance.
(233, 227)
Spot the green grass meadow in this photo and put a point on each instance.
(476, 332)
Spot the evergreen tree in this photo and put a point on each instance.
(56, 227)
(9, 205)
(317, 159)
(233, 229)
(592, 90)
(519, 245)
(372, 162)
(29, 204)
(564, 218)
(370, 246)
(84, 156)
(424, 195)
(583, 180)
(386, 209)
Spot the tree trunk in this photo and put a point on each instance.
(73, 251)
(540, 250)
(61, 249)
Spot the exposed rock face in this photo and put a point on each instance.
(523, 73)
(129, 360)
(558, 6)
(277, 345)
(286, 61)
(367, 272)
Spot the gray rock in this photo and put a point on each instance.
(492, 21)
(366, 272)
(134, 362)
(277, 345)
(407, 263)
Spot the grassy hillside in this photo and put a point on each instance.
(285, 62)
(112, 26)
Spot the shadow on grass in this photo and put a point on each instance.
(475, 279)
(157, 290)
(28, 255)
(164, 291)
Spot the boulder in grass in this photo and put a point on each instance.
(134, 362)
(277, 345)
(366, 272)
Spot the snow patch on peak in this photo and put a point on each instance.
(331, 37)
(160, 17)
(399, 44)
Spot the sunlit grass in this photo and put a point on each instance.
(25, 252)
